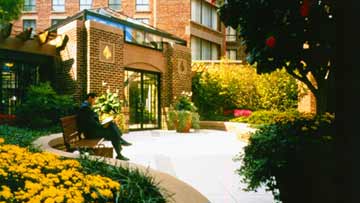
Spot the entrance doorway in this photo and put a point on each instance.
(141, 91)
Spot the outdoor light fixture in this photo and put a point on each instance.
(306, 45)
(303, 62)
(9, 65)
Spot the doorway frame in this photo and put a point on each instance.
(142, 89)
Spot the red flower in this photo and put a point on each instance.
(242, 112)
(213, 1)
(270, 41)
(304, 8)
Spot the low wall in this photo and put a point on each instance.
(242, 130)
(183, 193)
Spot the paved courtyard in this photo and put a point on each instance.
(203, 159)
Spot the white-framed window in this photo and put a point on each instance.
(203, 50)
(142, 5)
(29, 5)
(58, 5)
(230, 34)
(85, 4)
(143, 20)
(231, 54)
(205, 14)
(115, 4)
(30, 23)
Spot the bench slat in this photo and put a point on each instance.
(72, 135)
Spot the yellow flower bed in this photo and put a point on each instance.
(45, 177)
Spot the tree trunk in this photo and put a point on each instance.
(325, 95)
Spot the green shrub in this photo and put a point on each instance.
(23, 137)
(109, 104)
(265, 117)
(42, 107)
(183, 115)
(195, 120)
(136, 186)
(292, 150)
(224, 86)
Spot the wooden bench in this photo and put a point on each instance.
(74, 139)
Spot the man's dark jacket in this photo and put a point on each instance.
(88, 122)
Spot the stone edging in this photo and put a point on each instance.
(242, 130)
(182, 192)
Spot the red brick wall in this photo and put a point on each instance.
(176, 78)
(173, 16)
(44, 14)
(97, 71)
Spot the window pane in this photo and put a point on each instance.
(214, 19)
(58, 5)
(205, 50)
(142, 5)
(206, 15)
(85, 4)
(231, 54)
(29, 5)
(230, 34)
(196, 11)
(214, 52)
(195, 48)
(115, 4)
(153, 41)
(30, 23)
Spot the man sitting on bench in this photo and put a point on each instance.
(88, 123)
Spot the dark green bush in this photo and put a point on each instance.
(42, 107)
(136, 186)
(226, 86)
(291, 154)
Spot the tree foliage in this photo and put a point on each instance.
(10, 10)
(297, 35)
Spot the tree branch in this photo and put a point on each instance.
(303, 79)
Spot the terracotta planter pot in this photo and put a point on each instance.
(186, 129)
(187, 119)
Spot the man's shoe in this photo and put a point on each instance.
(123, 142)
(121, 157)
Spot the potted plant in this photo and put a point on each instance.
(109, 105)
(183, 115)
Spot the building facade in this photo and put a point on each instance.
(195, 21)
(105, 50)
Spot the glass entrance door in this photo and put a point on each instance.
(142, 97)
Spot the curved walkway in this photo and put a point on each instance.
(202, 159)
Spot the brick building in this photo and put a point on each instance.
(195, 21)
(106, 50)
